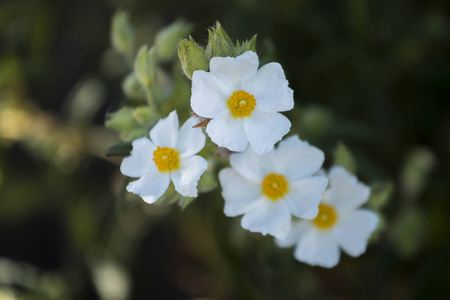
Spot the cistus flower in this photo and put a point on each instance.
(339, 224)
(243, 102)
(168, 155)
(268, 188)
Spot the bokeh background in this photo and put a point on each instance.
(373, 75)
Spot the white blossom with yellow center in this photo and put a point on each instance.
(168, 155)
(268, 189)
(339, 224)
(243, 102)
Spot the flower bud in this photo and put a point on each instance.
(249, 45)
(219, 43)
(122, 34)
(167, 39)
(192, 57)
(144, 66)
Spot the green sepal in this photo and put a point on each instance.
(207, 183)
(219, 43)
(171, 196)
(249, 45)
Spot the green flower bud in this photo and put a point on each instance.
(122, 34)
(219, 43)
(192, 57)
(144, 66)
(144, 115)
(122, 120)
(125, 123)
(132, 88)
(167, 39)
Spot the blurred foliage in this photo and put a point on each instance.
(370, 75)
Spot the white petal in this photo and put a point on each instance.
(297, 159)
(140, 161)
(252, 166)
(264, 129)
(227, 132)
(318, 248)
(186, 178)
(209, 94)
(150, 186)
(165, 132)
(298, 230)
(305, 195)
(354, 230)
(190, 140)
(271, 90)
(345, 192)
(234, 70)
(240, 194)
(268, 218)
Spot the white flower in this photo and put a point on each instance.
(268, 188)
(243, 102)
(169, 155)
(339, 224)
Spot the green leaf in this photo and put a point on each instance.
(132, 88)
(122, 34)
(120, 149)
(409, 232)
(144, 66)
(343, 157)
(131, 123)
(167, 39)
(381, 193)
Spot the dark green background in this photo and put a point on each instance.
(372, 74)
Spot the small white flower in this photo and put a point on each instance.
(268, 188)
(339, 224)
(243, 102)
(169, 155)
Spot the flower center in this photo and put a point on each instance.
(274, 186)
(241, 104)
(326, 218)
(166, 159)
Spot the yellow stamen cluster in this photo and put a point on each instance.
(166, 159)
(241, 104)
(274, 186)
(326, 218)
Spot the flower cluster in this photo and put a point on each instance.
(280, 191)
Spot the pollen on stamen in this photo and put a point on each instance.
(166, 159)
(241, 104)
(274, 186)
(326, 218)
